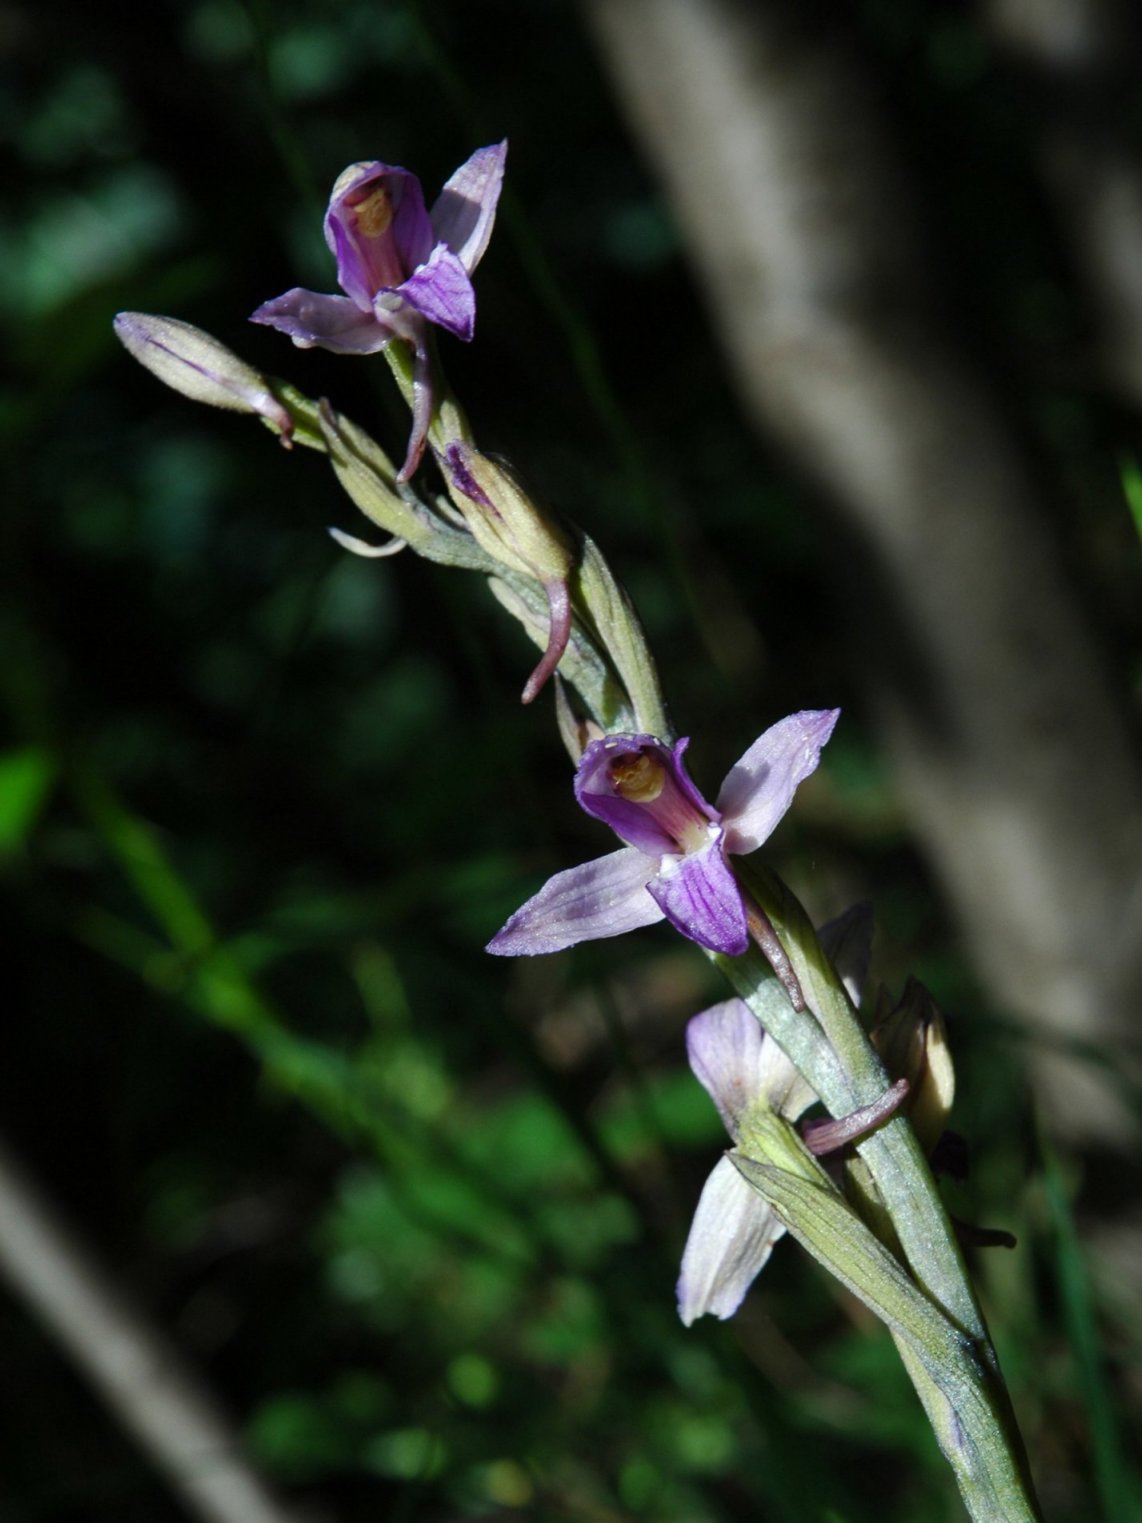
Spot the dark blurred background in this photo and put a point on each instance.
(410, 1214)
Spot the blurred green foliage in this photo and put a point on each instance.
(415, 1213)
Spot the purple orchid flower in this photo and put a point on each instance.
(674, 864)
(401, 268)
(742, 1069)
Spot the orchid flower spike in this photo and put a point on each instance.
(674, 865)
(401, 268)
(743, 1071)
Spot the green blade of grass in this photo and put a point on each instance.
(1116, 1490)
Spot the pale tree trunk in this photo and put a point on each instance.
(139, 1373)
(1009, 750)
(1084, 58)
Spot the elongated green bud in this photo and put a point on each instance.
(191, 361)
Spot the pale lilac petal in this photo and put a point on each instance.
(466, 207)
(601, 898)
(847, 942)
(732, 1235)
(740, 1066)
(412, 226)
(724, 1046)
(700, 896)
(760, 787)
(333, 322)
(441, 291)
(357, 274)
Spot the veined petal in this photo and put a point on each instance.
(759, 788)
(731, 1237)
(332, 322)
(700, 896)
(601, 898)
(466, 208)
(441, 291)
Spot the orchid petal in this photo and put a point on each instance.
(731, 1237)
(466, 208)
(700, 896)
(601, 898)
(332, 322)
(759, 788)
(724, 1048)
(740, 1066)
(441, 291)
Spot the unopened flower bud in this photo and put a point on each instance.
(190, 361)
(913, 1042)
(506, 523)
(502, 518)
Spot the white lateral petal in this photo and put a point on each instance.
(724, 1045)
(731, 1237)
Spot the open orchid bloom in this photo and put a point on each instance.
(743, 1070)
(674, 865)
(401, 268)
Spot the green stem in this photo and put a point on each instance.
(953, 1382)
(830, 1047)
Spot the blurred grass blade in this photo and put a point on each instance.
(1112, 1479)
(1132, 486)
(26, 777)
